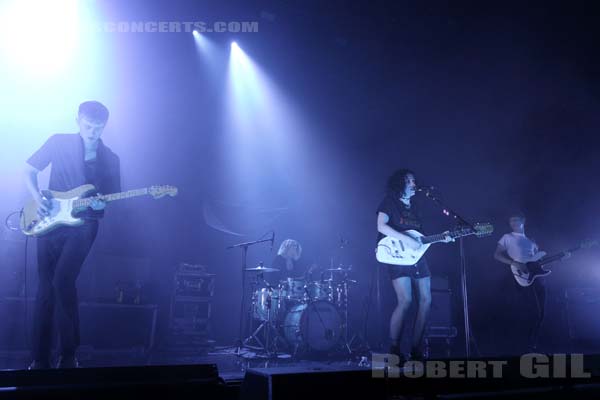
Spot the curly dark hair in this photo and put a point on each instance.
(396, 183)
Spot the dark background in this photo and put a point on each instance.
(497, 108)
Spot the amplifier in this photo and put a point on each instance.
(583, 305)
(117, 326)
(440, 316)
(194, 284)
(103, 326)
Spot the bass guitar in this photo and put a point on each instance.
(535, 266)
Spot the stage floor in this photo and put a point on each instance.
(231, 365)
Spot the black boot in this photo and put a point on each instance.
(67, 362)
(395, 349)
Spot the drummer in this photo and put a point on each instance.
(286, 262)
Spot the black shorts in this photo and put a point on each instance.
(417, 271)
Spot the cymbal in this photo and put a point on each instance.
(262, 269)
(337, 270)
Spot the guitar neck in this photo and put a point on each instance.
(558, 256)
(85, 202)
(441, 237)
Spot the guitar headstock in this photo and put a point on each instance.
(586, 244)
(483, 229)
(164, 190)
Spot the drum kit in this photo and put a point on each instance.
(298, 314)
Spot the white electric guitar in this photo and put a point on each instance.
(66, 205)
(536, 263)
(403, 252)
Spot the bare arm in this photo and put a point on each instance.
(502, 255)
(31, 181)
(385, 229)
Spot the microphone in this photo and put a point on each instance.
(272, 240)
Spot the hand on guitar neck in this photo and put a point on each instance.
(447, 237)
(98, 203)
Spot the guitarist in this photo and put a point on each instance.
(76, 159)
(396, 214)
(517, 249)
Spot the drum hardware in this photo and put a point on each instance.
(266, 307)
(267, 312)
(244, 246)
(339, 283)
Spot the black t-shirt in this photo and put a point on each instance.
(280, 263)
(70, 170)
(402, 217)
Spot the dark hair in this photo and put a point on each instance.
(94, 111)
(396, 183)
(516, 214)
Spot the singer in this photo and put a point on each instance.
(396, 214)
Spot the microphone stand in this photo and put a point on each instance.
(244, 246)
(469, 338)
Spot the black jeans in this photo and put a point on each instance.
(60, 255)
(532, 301)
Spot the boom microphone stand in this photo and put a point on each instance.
(469, 338)
(244, 246)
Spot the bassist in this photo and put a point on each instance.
(516, 249)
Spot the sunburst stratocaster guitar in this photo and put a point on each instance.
(535, 266)
(400, 252)
(66, 205)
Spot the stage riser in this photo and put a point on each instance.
(181, 382)
(305, 383)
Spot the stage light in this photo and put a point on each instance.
(52, 57)
(39, 37)
(196, 34)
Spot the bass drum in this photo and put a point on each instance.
(317, 325)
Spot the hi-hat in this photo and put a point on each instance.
(262, 269)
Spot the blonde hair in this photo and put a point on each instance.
(287, 245)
